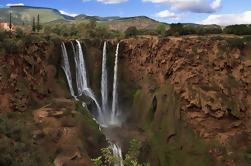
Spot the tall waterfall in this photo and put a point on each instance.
(81, 78)
(115, 83)
(66, 68)
(83, 89)
(104, 86)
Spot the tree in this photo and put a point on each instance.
(238, 29)
(131, 31)
(176, 29)
(10, 21)
(38, 23)
(161, 29)
(33, 24)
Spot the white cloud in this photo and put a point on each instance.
(166, 14)
(14, 4)
(229, 19)
(67, 13)
(112, 1)
(216, 4)
(196, 6)
(108, 1)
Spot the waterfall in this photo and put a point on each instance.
(67, 70)
(115, 82)
(117, 152)
(83, 89)
(81, 76)
(104, 87)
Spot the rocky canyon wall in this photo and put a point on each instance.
(201, 81)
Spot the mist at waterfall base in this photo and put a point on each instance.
(107, 116)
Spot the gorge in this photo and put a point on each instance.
(186, 99)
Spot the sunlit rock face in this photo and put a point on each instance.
(209, 81)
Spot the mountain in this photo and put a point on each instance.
(141, 22)
(96, 18)
(24, 14)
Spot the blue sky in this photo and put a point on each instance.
(222, 12)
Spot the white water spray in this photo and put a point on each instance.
(104, 86)
(67, 70)
(115, 83)
(83, 89)
(117, 152)
(81, 77)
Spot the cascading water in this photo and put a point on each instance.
(104, 86)
(117, 152)
(110, 118)
(115, 84)
(67, 70)
(83, 89)
(81, 78)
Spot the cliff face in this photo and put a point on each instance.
(202, 77)
(212, 79)
(39, 123)
(29, 77)
(174, 92)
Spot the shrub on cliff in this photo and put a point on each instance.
(238, 29)
(175, 29)
(236, 43)
(131, 158)
(131, 31)
(19, 33)
(3, 35)
(10, 46)
(161, 29)
(33, 38)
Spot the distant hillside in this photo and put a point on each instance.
(96, 18)
(141, 22)
(24, 14)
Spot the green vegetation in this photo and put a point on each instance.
(161, 29)
(183, 29)
(235, 42)
(16, 145)
(15, 42)
(238, 29)
(131, 158)
(83, 30)
(131, 32)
